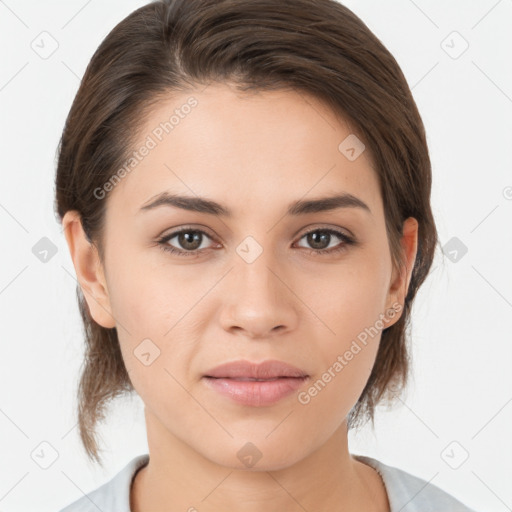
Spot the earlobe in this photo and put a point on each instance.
(401, 280)
(88, 269)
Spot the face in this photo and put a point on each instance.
(255, 282)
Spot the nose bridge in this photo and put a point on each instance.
(255, 268)
(258, 300)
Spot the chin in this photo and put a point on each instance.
(264, 455)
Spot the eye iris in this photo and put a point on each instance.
(318, 238)
(190, 237)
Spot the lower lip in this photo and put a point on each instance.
(256, 393)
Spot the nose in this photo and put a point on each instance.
(257, 299)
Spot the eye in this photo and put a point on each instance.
(188, 238)
(320, 240)
(190, 241)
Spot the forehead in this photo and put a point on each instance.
(250, 150)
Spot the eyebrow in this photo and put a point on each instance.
(301, 207)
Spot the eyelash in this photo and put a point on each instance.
(347, 241)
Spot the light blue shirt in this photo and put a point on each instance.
(406, 492)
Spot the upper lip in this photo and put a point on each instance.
(269, 369)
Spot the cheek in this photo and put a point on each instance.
(350, 298)
(346, 350)
(349, 306)
(146, 297)
(154, 310)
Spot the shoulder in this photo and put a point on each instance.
(113, 496)
(409, 493)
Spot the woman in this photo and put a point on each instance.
(245, 192)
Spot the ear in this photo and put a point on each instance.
(88, 269)
(402, 277)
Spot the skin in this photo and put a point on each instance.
(255, 154)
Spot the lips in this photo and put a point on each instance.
(254, 384)
(245, 370)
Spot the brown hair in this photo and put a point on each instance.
(314, 46)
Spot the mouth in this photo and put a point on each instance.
(247, 370)
(249, 379)
(255, 384)
(255, 392)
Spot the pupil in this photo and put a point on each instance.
(189, 239)
(318, 238)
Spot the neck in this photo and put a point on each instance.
(179, 478)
